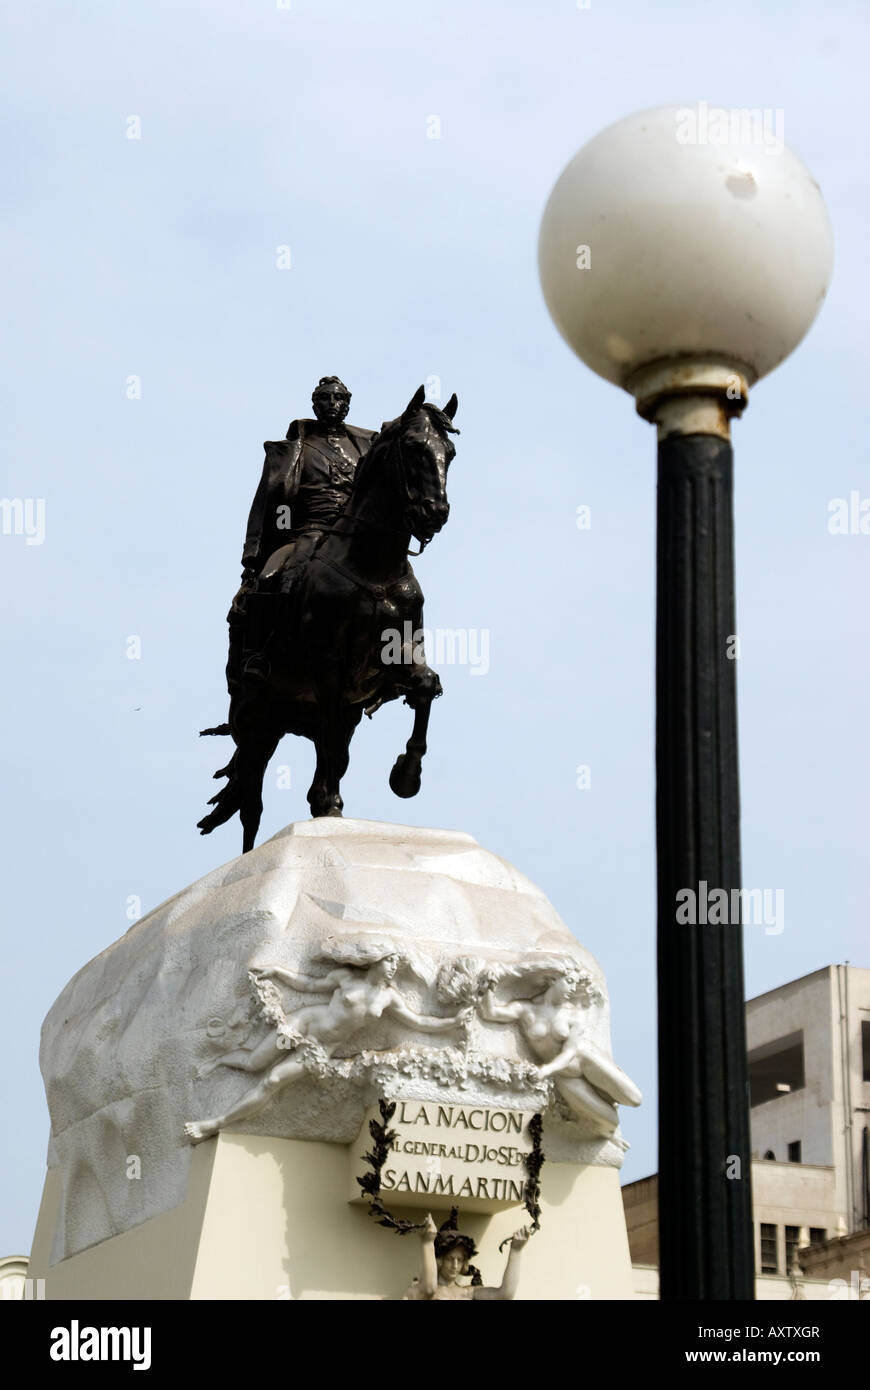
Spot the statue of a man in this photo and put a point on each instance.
(307, 480)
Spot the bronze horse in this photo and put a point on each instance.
(340, 644)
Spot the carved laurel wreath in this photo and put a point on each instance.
(383, 1140)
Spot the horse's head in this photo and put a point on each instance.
(420, 445)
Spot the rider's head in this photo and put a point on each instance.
(331, 400)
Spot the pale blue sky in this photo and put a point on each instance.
(307, 127)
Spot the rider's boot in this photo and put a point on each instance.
(258, 632)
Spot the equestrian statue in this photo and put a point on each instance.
(327, 623)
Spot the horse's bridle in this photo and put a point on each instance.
(403, 480)
(396, 444)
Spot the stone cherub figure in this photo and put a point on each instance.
(445, 1255)
(361, 989)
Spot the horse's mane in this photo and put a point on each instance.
(442, 420)
(386, 435)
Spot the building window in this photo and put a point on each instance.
(792, 1237)
(818, 1236)
(865, 1047)
(776, 1069)
(769, 1264)
(794, 1151)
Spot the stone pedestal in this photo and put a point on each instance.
(267, 953)
(267, 1219)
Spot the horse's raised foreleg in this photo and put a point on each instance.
(406, 773)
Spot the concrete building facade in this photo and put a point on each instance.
(809, 1076)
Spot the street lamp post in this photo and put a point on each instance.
(682, 258)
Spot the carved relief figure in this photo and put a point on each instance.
(445, 1256)
(361, 990)
(554, 1023)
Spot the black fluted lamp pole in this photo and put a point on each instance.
(684, 252)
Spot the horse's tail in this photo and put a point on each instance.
(227, 802)
(229, 799)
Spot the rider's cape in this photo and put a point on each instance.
(278, 486)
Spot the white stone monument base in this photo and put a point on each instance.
(264, 1218)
